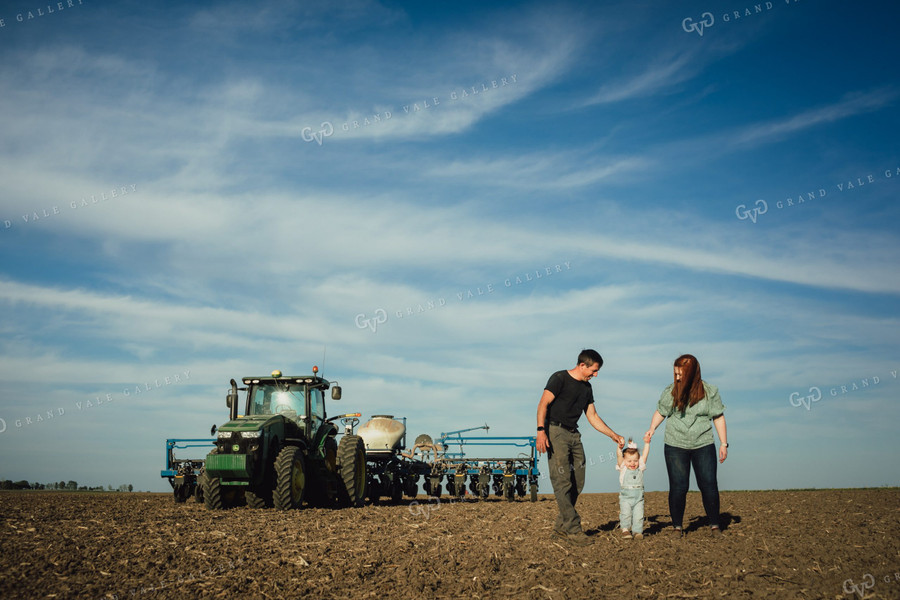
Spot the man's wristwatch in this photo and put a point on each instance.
(726, 444)
(540, 429)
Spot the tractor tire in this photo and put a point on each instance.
(352, 470)
(213, 495)
(290, 478)
(260, 498)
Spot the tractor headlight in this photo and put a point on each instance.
(223, 435)
(250, 435)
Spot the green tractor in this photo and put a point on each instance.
(283, 451)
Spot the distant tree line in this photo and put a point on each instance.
(71, 486)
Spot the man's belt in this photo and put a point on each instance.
(566, 427)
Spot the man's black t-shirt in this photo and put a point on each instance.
(570, 398)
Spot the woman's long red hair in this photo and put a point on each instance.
(689, 391)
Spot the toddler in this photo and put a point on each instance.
(631, 467)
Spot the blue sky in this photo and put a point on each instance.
(215, 190)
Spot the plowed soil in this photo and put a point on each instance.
(804, 544)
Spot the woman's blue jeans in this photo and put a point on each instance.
(678, 464)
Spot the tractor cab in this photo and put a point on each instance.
(298, 399)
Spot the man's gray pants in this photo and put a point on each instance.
(566, 462)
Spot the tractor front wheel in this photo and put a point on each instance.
(352, 469)
(213, 495)
(259, 498)
(290, 478)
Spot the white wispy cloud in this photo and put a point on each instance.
(661, 75)
(851, 105)
(546, 170)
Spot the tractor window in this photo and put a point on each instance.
(286, 399)
(317, 405)
(259, 400)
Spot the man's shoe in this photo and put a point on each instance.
(716, 532)
(679, 532)
(626, 535)
(639, 536)
(560, 534)
(579, 539)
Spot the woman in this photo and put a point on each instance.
(690, 403)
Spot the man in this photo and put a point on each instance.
(567, 395)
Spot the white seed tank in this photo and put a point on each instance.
(382, 434)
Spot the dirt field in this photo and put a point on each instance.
(810, 544)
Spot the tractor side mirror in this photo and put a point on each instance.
(212, 430)
(230, 399)
(336, 392)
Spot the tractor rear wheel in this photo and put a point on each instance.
(351, 458)
(290, 478)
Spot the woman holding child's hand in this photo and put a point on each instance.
(692, 407)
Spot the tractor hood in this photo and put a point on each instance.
(250, 423)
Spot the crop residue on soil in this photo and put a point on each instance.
(777, 544)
